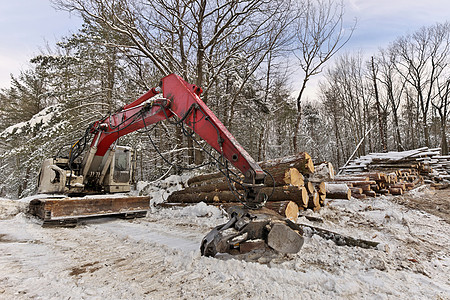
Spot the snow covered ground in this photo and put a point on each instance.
(158, 257)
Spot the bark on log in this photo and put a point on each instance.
(322, 172)
(353, 177)
(320, 187)
(301, 161)
(314, 201)
(359, 196)
(338, 191)
(398, 185)
(207, 197)
(210, 187)
(396, 191)
(362, 183)
(356, 190)
(309, 187)
(282, 177)
(292, 193)
(370, 193)
(204, 177)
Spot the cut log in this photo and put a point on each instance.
(322, 172)
(292, 193)
(203, 177)
(322, 198)
(287, 209)
(309, 187)
(293, 177)
(384, 192)
(370, 193)
(314, 201)
(338, 191)
(353, 177)
(396, 191)
(301, 161)
(359, 196)
(365, 187)
(356, 190)
(399, 185)
(282, 177)
(320, 187)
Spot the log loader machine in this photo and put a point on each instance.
(96, 166)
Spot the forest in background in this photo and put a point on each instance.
(243, 54)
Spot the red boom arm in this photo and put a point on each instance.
(181, 99)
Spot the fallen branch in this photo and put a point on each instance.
(339, 239)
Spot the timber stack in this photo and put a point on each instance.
(376, 183)
(294, 184)
(395, 172)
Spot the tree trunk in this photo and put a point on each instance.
(444, 144)
(377, 101)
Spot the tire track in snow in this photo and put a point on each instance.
(153, 233)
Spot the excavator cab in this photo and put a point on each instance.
(120, 174)
(115, 174)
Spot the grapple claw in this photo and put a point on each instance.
(249, 230)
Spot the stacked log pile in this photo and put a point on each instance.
(395, 172)
(376, 183)
(293, 185)
(428, 162)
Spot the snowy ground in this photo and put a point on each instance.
(158, 257)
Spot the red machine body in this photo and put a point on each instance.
(181, 99)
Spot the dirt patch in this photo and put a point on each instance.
(5, 239)
(435, 202)
(89, 267)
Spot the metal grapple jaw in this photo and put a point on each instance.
(254, 198)
(253, 230)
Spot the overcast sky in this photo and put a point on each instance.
(27, 25)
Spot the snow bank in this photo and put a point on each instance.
(161, 189)
(10, 208)
(158, 257)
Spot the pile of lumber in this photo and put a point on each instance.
(293, 185)
(395, 172)
(375, 183)
(427, 162)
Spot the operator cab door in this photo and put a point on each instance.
(120, 171)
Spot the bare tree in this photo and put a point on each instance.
(423, 58)
(378, 105)
(320, 34)
(196, 38)
(442, 105)
(347, 86)
(394, 88)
